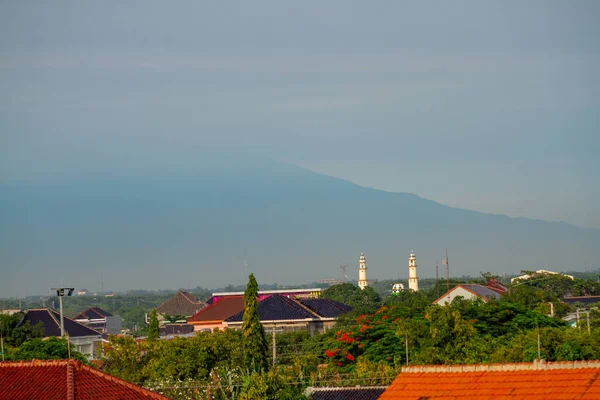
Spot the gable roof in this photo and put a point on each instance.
(345, 393)
(93, 313)
(325, 307)
(278, 308)
(496, 286)
(50, 320)
(182, 303)
(538, 380)
(478, 290)
(219, 311)
(65, 379)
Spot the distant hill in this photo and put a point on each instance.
(187, 229)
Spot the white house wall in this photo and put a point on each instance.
(459, 291)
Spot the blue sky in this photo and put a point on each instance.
(491, 106)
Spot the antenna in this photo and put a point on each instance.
(343, 268)
(437, 278)
(447, 263)
(245, 262)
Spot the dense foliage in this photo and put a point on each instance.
(254, 342)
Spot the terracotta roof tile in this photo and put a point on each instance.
(65, 379)
(182, 303)
(566, 380)
(219, 311)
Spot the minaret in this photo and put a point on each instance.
(362, 272)
(413, 281)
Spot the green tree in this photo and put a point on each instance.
(49, 349)
(16, 333)
(352, 295)
(254, 342)
(153, 329)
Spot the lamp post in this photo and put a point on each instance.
(60, 292)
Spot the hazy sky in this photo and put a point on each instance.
(486, 105)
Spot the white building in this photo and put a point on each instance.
(468, 291)
(413, 280)
(537, 274)
(362, 272)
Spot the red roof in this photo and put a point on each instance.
(219, 311)
(559, 380)
(65, 379)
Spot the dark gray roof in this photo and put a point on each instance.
(93, 313)
(276, 308)
(481, 290)
(326, 307)
(51, 322)
(345, 393)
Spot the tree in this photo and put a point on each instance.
(352, 295)
(153, 330)
(254, 342)
(50, 349)
(16, 333)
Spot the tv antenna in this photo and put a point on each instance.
(343, 268)
(447, 263)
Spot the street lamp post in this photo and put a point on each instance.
(60, 292)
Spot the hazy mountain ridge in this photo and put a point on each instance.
(182, 229)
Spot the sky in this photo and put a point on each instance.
(484, 105)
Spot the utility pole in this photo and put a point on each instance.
(447, 263)
(588, 322)
(539, 352)
(1, 341)
(60, 292)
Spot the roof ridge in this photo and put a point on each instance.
(533, 366)
(73, 321)
(70, 381)
(303, 307)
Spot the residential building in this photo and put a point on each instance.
(278, 312)
(65, 379)
(86, 340)
(99, 320)
(182, 304)
(214, 315)
(537, 274)
(537, 380)
(263, 294)
(468, 291)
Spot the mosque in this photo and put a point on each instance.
(413, 279)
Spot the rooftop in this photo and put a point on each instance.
(50, 320)
(182, 303)
(538, 380)
(219, 311)
(93, 313)
(65, 379)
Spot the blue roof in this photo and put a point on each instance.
(276, 308)
(326, 307)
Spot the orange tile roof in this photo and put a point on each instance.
(219, 311)
(559, 380)
(65, 379)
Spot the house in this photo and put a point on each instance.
(65, 379)
(85, 340)
(537, 380)
(538, 273)
(99, 320)
(469, 291)
(263, 294)
(496, 286)
(279, 312)
(182, 304)
(344, 393)
(169, 331)
(213, 316)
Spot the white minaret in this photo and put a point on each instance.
(413, 281)
(362, 272)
